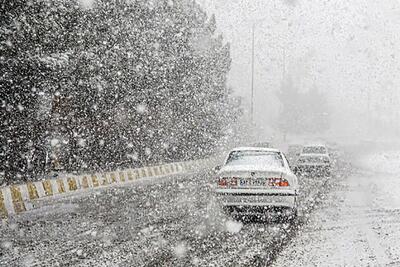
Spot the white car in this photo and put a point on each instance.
(255, 180)
(263, 144)
(314, 149)
(314, 160)
(314, 164)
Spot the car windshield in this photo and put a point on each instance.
(314, 150)
(257, 158)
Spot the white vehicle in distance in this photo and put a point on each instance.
(314, 160)
(266, 144)
(257, 181)
(314, 149)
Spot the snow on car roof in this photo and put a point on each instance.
(250, 148)
(314, 145)
(304, 155)
(259, 167)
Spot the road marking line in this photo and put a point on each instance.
(72, 184)
(130, 176)
(3, 208)
(122, 177)
(40, 190)
(48, 189)
(89, 180)
(113, 177)
(95, 181)
(84, 182)
(25, 196)
(17, 200)
(33, 194)
(60, 186)
(104, 180)
(8, 200)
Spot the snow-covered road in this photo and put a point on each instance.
(172, 221)
(358, 224)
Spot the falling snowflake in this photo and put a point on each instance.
(233, 227)
(141, 108)
(54, 142)
(180, 250)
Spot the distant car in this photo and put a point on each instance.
(314, 149)
(263, 144)
(255, 180)
(314, 164)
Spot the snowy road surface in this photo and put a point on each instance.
(358, 224)
(169, 222)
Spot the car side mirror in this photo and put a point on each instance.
(217, 168)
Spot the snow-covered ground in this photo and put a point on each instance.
(382, 162)
(168, 222)
(358, 224)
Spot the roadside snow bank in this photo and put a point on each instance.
(384, 162)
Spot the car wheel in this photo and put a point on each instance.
(227, 210)
(294, 214)
(287, 217)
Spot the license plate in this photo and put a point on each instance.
(252, 182)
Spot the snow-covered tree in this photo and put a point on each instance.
(117, 83)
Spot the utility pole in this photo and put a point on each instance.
(252, 76)
(283, 63)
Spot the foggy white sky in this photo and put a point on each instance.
(345, 48)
